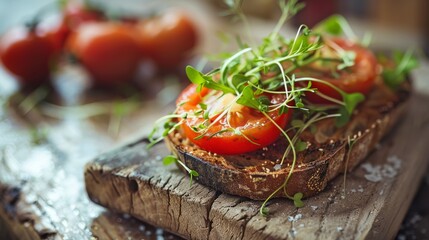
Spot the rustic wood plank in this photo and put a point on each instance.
(134, 181)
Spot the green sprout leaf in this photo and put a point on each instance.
(169, 160)
(405, 62)
(192, 173)
(302, 42)
(297, 200)
(195, 76)
(248, 98)
(263, 211)
(297, 123)
(351, 100)
(239, 81)
(199, 79)
(203, 106)
(335, 25)
(300, 146)
(283, 109)
(344, 117)
(330, 25)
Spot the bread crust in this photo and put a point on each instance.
(254, 175)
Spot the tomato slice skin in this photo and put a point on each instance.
(358, 78)
(253, 125)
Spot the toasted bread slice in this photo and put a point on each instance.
(257, 175)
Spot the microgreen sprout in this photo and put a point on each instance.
(165, 125)
(299, 126)
(277, 66)
(350, 144)
(336, 25)
(403, 64)
(170, 159)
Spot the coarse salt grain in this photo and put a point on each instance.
(376, 173)
(294, 218)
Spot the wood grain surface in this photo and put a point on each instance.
(371, 205)
(42, 192)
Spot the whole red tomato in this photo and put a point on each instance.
(167, 39)
(109, 51)
(27, 54)
(76, 14)
(73, 15)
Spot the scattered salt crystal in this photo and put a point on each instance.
(314, 208)
(415, 219)
(395, 161)
(339, 229)
(401, 237)
(293, 232)
(373, 172)
(388, 171)
(376, 173)
(159, 231)
(360, 189)
(294, 218)
(277, 167)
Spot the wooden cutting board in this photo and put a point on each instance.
(371, 204)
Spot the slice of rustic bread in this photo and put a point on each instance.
(256, 175)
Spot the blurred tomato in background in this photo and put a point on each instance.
(109, 51)
(27, 54)
(167, 38)
(110, 44)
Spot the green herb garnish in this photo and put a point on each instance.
(403, 64)
(277, 66)
(170, 159)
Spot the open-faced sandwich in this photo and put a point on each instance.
(283, 118)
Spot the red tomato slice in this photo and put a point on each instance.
(251, 129)
(358, 78)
